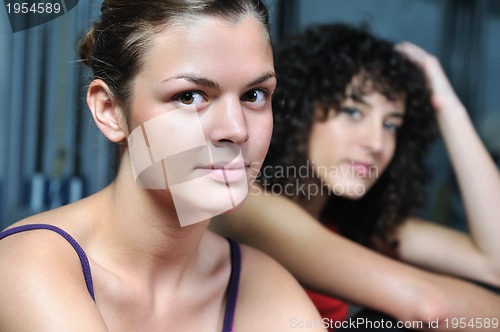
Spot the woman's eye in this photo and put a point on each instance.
(391, 127)
(254, 96)
(352, 112)
(189, 98)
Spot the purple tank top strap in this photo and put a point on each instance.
(79, 250)
(234, 282)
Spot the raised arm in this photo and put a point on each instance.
(476, 256)
(330, 264)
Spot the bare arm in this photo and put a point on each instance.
(442, 249)
(478, 179)
(38, 294)
(270, 299)
(330, 264)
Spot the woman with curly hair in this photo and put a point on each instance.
(354, 117)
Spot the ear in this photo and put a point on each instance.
(106, 112)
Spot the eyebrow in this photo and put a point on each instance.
(211, 84)
(397, 114)
(261, 79)
(194, 79)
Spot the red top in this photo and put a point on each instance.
(329, 308)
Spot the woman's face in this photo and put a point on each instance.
(352, 148)
(205, 95)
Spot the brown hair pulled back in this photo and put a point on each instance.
(114, 46)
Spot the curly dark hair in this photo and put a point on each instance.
(315, 69)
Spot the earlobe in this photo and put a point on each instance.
(105, 111)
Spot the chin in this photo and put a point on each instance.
(234, 208)
(352, 197)
(352, 190)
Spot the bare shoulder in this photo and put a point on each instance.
(43, 280)
(270, 299)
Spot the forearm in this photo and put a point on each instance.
(332, 265)
(459, 301)
(408, 294)
(404, 292)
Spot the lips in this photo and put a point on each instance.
(228, 175)
(226, 172)
(361, 169)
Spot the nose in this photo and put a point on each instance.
(228, 123)
(373, 138)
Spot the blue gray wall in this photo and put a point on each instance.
(51, 153)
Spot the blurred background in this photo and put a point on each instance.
(51, 153)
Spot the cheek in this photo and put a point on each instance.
(255, 150)
(260, 129)
(324, 143)
(388, 153)
(141, 111)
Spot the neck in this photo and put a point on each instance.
(140, 231)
